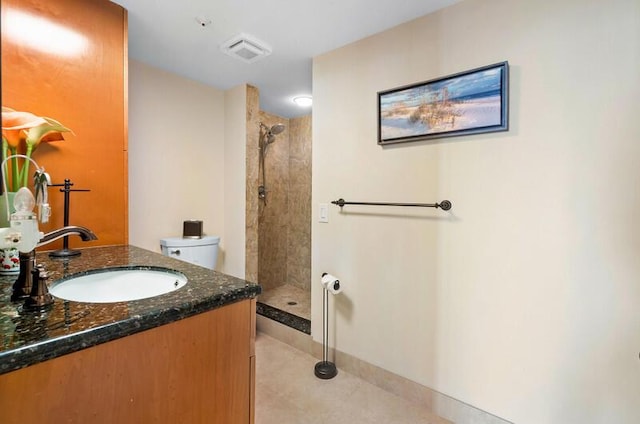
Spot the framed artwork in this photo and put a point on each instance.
(470, 102)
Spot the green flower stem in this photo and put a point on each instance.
(14, 170)
(25, 167)
(5, 147)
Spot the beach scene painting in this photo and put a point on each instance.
(470, 102)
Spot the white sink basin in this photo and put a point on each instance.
(118, 285)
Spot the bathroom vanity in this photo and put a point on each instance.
(183, 357)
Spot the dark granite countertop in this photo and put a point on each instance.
(27, 338)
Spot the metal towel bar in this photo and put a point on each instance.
(445, 205)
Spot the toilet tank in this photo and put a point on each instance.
(202, 251)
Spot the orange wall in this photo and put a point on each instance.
(85, 91)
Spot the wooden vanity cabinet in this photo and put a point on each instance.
(196, 370)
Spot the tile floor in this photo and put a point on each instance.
(287, 392)
(280, 297)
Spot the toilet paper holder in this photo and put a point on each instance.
(331, 283)
(326, 369)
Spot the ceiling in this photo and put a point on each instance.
(168, 34)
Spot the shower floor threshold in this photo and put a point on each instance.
(284, 317)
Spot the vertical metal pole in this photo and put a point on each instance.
(325, 326)
(67, 189)
(325, 369)
(65, 252)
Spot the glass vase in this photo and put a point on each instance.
(9, 258)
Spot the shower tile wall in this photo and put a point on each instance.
(299, 235)
(273, 216)
(284, 222)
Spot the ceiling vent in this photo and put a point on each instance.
(245, 48)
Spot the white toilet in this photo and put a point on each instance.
(199, 251)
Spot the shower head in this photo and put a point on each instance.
(276, 129)
(269, 135)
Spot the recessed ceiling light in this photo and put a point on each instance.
(303, 101)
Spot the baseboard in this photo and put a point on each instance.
(285, 334)
(440, 404)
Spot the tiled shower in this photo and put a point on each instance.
(283, 218)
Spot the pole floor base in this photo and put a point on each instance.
(326, 370)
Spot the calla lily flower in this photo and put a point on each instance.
(49, 130)
(15, 123)
(23, 132)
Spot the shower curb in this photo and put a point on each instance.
(283, 317)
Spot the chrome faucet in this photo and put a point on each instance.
(30, 284)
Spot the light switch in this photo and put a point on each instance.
(324, 212)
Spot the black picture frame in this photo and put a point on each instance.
(469, 102)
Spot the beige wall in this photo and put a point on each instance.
(176, 156)
(524, 299)
(235, 151)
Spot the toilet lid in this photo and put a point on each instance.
(187, 242)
